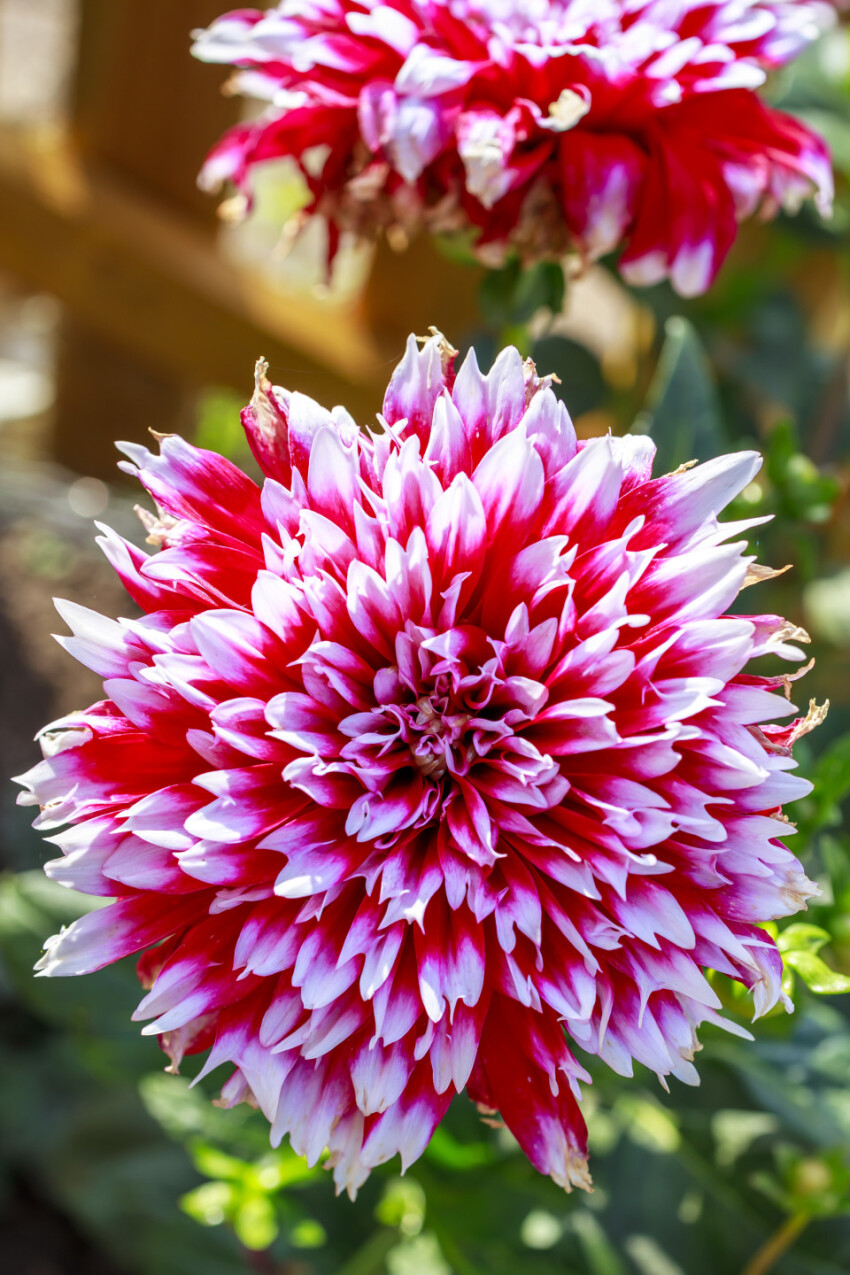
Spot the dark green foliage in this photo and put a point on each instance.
(511, 296)
(682, 412)
(582, 385)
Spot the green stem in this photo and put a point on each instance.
(777, 1244)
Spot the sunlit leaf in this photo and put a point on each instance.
(801, 937)
(255, 1223)
(816, 974)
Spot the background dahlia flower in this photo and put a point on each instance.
(584, 124)
(428, 762)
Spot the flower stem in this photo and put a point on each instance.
(777, 1244)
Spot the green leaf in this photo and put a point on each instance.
(445, 1150)
(816, 974)
(255, 1223)
(283, 1168)
(209, 1204)
(582, 384)
(803, 492)
(217, 1164)
(513, 295)
(802, 937)
(185, 1112)
(682, 411)
(831, 779)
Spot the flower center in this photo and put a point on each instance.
(436, 736)
(442, 727)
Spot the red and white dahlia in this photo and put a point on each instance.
(429, 761)
(584, 124)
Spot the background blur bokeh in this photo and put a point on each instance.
(126, 304)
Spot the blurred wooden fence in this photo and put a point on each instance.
(105, 215)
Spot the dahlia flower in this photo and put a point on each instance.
(430, 764)
(579, 124)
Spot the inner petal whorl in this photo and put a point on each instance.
(438, 737)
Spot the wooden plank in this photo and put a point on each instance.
(143, 110)
(156, 285)
(416, 289)
(141, 104)
(104, 394)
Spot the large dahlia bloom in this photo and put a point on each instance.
(430, 762)
(583, 124)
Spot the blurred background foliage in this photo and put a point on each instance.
(109, 1165)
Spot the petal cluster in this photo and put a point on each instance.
(430, 763)
(589, 125)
